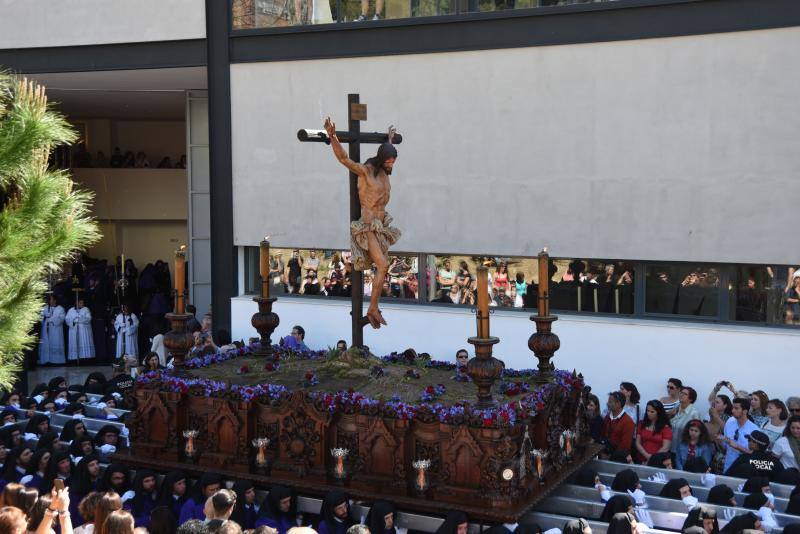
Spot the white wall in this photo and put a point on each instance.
(606, 351)
(675, 149)
(41, 23)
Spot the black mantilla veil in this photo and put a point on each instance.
(385, 151)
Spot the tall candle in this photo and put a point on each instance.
(544, 280)
(580, 290)
(616, 300)
(180, 280)
(483, 302)
(264, 267)
(595, 300)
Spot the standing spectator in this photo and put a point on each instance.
(295, 272)
(312, 263)
(776, 423)
(51, 344)
(141, 161)
(655, 434)
(694, 443)
(787, 447)
(632, 398)
(117, 159)
(276, 273)
(446, 276)
(618, 427)
(672, 401)
(736, 430)
(81, 341)
(758, 406)
(792, 297)
(165, 163)
(686, 412)
(757, 461)
(594, 417)
(501, 277)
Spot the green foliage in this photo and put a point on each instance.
(44, 221)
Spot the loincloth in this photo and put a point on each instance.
(359, 239)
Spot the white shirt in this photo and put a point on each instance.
(772, 431)
(783, 452)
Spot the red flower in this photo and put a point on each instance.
(487, 421)
(539, 405)
(309, 375)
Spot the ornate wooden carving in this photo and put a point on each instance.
(463, 460)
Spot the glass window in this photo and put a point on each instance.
(681, 289)
(767, 294)
(588, 285)
(327, 273)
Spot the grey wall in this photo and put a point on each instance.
(198, 171)
(41, 23)
(677, 149)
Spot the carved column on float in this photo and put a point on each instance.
(265, 321)
(544, 343)
(483, 368)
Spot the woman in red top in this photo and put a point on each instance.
(501, 276)
(655, 433)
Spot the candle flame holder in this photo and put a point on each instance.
(567, 442)
(421, 484)
(538, 456)
(190, 451)
(265, 321)
(261, 460)
(340, 471)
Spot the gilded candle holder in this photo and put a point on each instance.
(340, 471)
(421, 467)
(190, 451)
(567, 442)
(261, 461)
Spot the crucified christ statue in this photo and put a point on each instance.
(371, 236)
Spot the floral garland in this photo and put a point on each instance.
(310, 379)
(511, 389)
(503, 415)
(432, 392)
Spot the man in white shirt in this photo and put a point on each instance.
(737, 428)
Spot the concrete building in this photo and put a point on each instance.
(659, 137)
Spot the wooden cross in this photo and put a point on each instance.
(353, 137)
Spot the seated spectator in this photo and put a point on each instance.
(80, 447)
(758, 407)
(594, 417)
(246, 510)
(626, 480)
(740, 523)
(165, 163)
(37, 425)
(618, 427)
(586, 477)
(737, 428)
(777, 414)
(694, 443)
(295, 340)
(787, 447)
(36, 470)
(17, 462)
(382, 517)
(577, 526)
(721, 495)
(672, 401)
(655, 433)
(194, 506)
(107, 440)
(341, 345)
(696, 465)
(72, 429)
(703, 517)
(623, 523)
(615, 505)
(117, 159)
(181, 164)
(687, 411)
(59, 467)
(162, 521)
(145, 497)
(632, 399)
(678, 489)
(116, 478)
(84, 482)
(455, 522)
(151, 362)
(334, 514)
(173, 492)
(279, 510)
(141, 161)
(758, 462)
(130, 160)
(661, 460)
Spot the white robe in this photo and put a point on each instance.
(81, 342)
(51, 346)
(127, 329)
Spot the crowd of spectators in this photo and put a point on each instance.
(81, 158)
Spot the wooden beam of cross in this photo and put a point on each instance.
(354, 138)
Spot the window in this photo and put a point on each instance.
(248, 14)
(327, 273)
(600, 286)
(682, 289)
(767, 294)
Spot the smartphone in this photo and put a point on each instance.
(58, 484)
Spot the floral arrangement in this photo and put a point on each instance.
(243, 370)
(533, 400)
(310, 379)
(432, 392)
(377, 371)
(517, 387)
(412, 373)
(271, 366)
